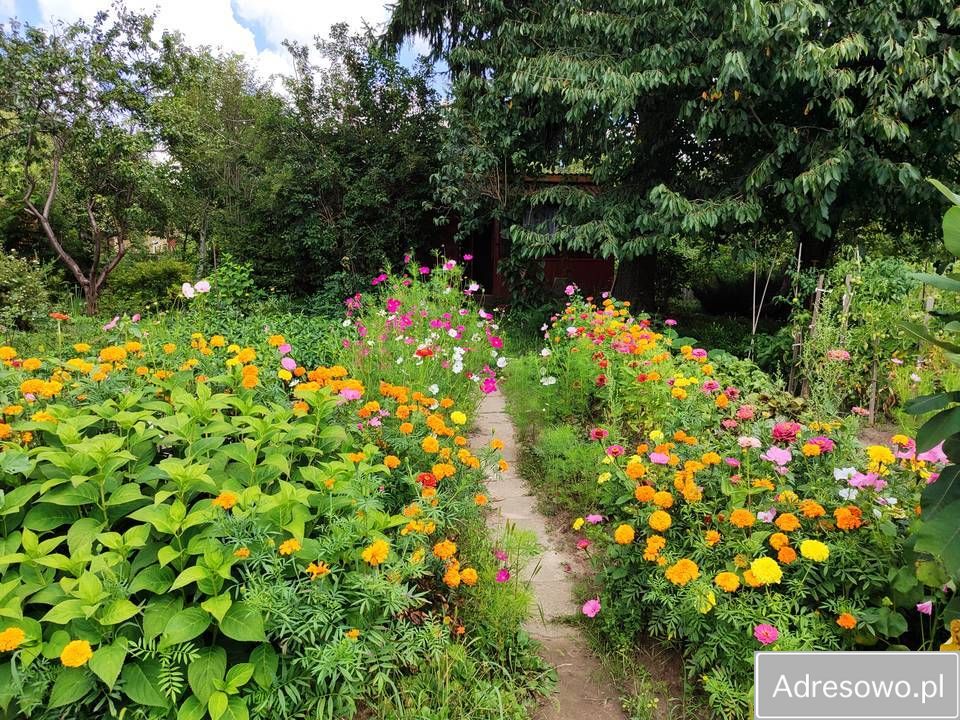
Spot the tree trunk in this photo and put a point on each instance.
(92, 296)
(636, 281)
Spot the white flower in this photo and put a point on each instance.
(848, 493)
(347, 323)
(452, 333)
(548, 380)
(501, 362)
(545, 352)
(473, 287)
(544, 327)
(188, 290)
(434, 389)
(203, 286)
(399, 360)
(842, 474)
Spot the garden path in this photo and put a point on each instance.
(583, 690)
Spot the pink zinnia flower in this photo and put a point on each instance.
(786, 432)
(778, 456)
(350, 394)
(615, 450)
(583, 544)
(745, 442)
(766, 634)
(284, 349)
(669, 322)
(502, 575)
(745, 412)
(135, 318)
(500, 555)
(823, 442)
(729, 423)
(288, 363)
(570, 290)
(591, 607)
(594, 519)
(598, 434)
(659, 458)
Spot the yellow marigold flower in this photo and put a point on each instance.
(496, 444)
(13, 409)
(503, 465)
(458, 418)
(750, 579)
(811, 450)
(169, 348)
(712, 537)
(766, 570)
(76, 654)
(289, 547)
(356, 457)
(225, 500)
(624, 534)
(11, 639)
(778, 540)
(430, 444)
(814, 550)
(242, 553)
(742, 518)
(880, 455)
(727, 581)
(711, 458)
(578, 523)
(660, 520)
(43, 416)
(376, 552)
(218, 341)
(317, 570)
(682, 572)
(284, 374)
(81, 347)
(444, 549)
(469, 576)
(392, 462)
(663, 499)
(353, 633)
(7, 353)
(679, 393)
(113, 353)
(276, 340)
(31, 364)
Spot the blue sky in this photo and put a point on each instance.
(254, 28)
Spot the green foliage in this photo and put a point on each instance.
(233, 288)
(25, 297)
(146, 284)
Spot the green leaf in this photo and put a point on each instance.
(239, 675)
(951, 230)
(236, 710)
(218, 605)
(931, 574)
(71, 685)
(940, 537)
(207, 669)
(938, 495)
(938, 281)
(947, 192)
(923, 404)
(141, 683)
(941, 426)
(243, 622)
(157, 614)
(192, 709)
(107, 661)
(924, 334)
(185, 625)
(265, 664)
(154, 578)
(217, 704)
(192, 574)
(117, 611)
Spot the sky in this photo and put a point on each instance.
(254, 28)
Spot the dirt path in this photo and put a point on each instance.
(582, 690)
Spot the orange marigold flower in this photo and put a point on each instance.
(847, 621)
(503, 465)
(624, 534)
(644, 493)
(663, 499)
(430, 444)
(406, 428)
(225, 500)
(76, 654)
(31, 364)
(289, 547)
(742, 518)
(496, 444)
(376, 552)
(779, 540)
(352, 634)
(660, 521)
(242, 553)
(682, 572)
(787, 522)
(5, 431)
(786, 555)
(635, 470)
(317, 570)
(727, 581)
(392, 462)
(445, 549)
(480, 499)
(712, 537)
(812, 509)
(848, 518)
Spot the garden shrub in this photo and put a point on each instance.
(25, 294)
(145, 284)
(728, 517)
(196, 528)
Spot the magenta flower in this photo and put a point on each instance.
(670, 322)
(570, 290)
(583, 544)
(598, 434)
(393, 305)
(591, 607)
(288, 363)
(350, 394)
(823, 442)
(615, 450)
(489, 385)
(502, 575)
(467, 257)
(925, 607)
(496, 342)
(500, 555)
(424, 270)
(766, 634)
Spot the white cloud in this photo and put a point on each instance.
(217, 23)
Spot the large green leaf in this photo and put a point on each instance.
(942, 493)
(157, 614)
(265, 664)
(107, 661)
(940, 537)
(192, 709)
(921, 332)
(185, 625)
(117, 611)
(951, 230)
(947, 192)
(923, 404)
(141, 683)
(243, 622)
(207, 669)
(70, 686)
(938, 428)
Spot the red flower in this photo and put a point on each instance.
(427, 479)
(601, 380)
(424, 353)
(642, 377)
(59, 316)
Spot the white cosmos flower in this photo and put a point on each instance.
(548, 380)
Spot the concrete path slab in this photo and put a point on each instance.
(583, 690)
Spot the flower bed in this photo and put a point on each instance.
(722, 515)
(195, 528)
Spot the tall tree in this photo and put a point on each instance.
(706, 117)
(74, 102)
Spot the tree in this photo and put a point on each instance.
(74, 119)
(706, 117)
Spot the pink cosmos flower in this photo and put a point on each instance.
(467, 257)
(594, 519)
(670, 322)
(933, 455)
(449, 264)
(112, 324)
(202, 287)
(288, 363)
(488, 385)
(393, 305)
(925, 607)
(496, 342)
(503, 575)
(135, 318)
(350, 394)
(424, 270)
(767, 516)
(591, 607)
(766, 634)
(500, 555)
